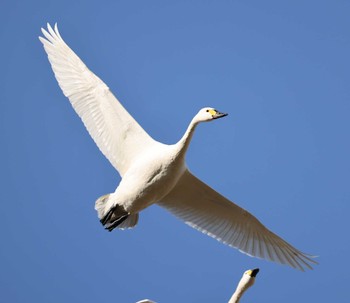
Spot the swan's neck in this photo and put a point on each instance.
(236, 297)
(184, 142)
(242, 286)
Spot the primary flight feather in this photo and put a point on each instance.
(153, 172)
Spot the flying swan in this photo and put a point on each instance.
(153, 172)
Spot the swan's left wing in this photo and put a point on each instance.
(206, 210)
(119, 137)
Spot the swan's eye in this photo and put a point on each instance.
(207, 110)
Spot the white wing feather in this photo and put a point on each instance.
(206, 210)
(119, 137)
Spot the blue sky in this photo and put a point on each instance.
(281, 71)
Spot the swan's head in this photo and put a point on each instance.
(252, 272)
(208, 114)
(248, 279)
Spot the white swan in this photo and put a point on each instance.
(153, 172)
(247, 280)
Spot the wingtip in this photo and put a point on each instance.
(48, 26)
(51, 35)
(51, 28)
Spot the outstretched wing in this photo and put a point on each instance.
(206, 210)
(119, 137)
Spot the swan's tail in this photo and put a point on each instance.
(114, 216)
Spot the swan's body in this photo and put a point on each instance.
(247, 280)
(153, 172)
(148, 180)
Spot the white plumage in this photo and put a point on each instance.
(247, 280)
(153, 172)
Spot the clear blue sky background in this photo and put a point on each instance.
(280, 69)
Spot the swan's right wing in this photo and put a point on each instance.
(206, 210)
(119, 137)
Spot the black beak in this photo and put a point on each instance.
(255, 272)
(219, 115)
